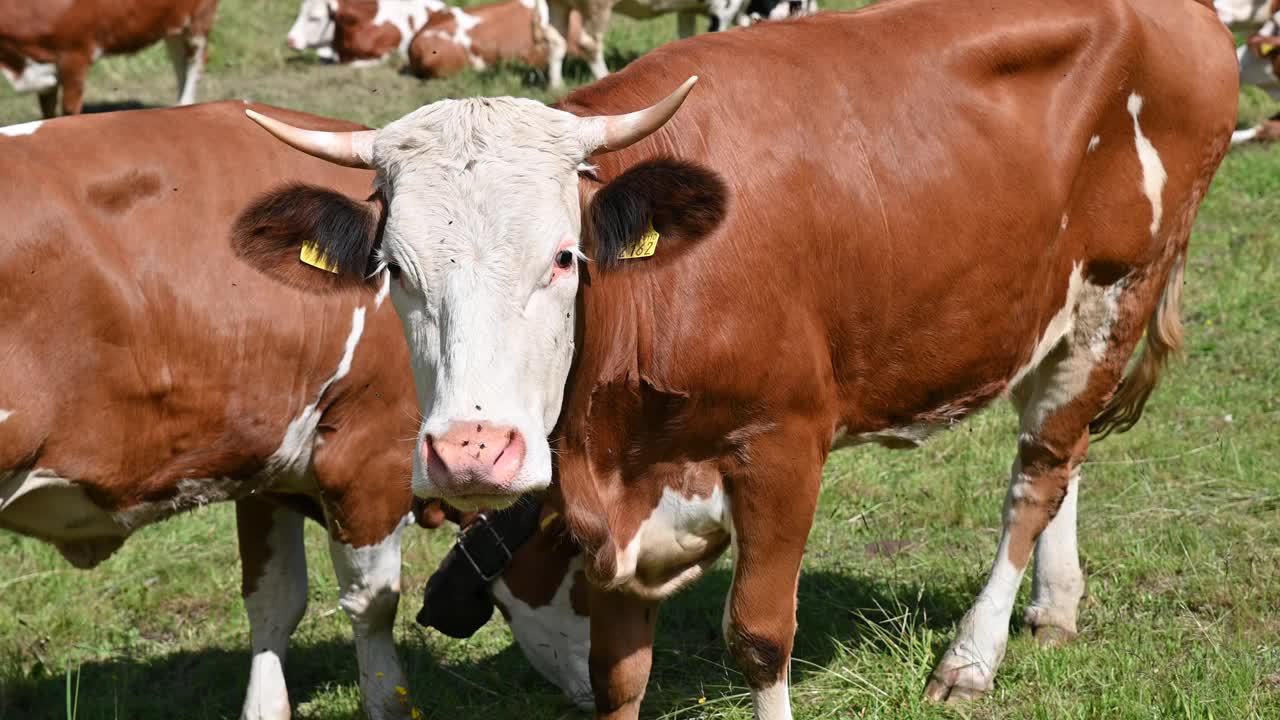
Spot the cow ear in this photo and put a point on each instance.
(653, 212)
(311, 238)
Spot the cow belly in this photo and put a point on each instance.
(34, 77)
(44, 505)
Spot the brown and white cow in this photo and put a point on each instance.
(366, 32)
(553, 25)
(147, 371)
(481, 37)
(47, 44)
(998, 208)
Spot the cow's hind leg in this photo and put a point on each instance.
(49, 102)
(555, 28)
(273, 565)
(622, 629)
(1058, 401)
(187, 53)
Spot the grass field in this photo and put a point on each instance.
(1179, 519)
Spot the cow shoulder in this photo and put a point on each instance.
(340, 232)
(679, 201)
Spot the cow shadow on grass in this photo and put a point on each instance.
(117, 105)
(837, 612)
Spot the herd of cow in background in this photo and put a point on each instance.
(316, 293)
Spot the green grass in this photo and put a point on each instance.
(1179, 519)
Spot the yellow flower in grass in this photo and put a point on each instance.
(401, 691)
(415, 714)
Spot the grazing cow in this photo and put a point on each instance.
(757, 294)
(553, 18)
(369, 31)
(481, 37)
(45, 44)
(313, 29)
(131, 389)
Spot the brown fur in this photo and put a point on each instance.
(505, 34)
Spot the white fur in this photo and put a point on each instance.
(1244, 136)
(1059, 325)
(274, 610)
(1058, 582)
(5, 414)
(35, 77)
(369, 591)
(293, 457)
(773, 702)
(554, 639)
(26, 128)
(1153, 174)
(193, 72)
(313, 28)
(679, 532)
(383, 291)
(1242, 15)
(490, 336)
(408, 16)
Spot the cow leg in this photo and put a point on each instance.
(1058, 582)
(622, 628)
(1056, 403)
(772, 510)
(556, 30)
(187, 53)
(595, 25)
(687, 23)
(73, 68)
(49, 102)
(369, 592)
(273, 563)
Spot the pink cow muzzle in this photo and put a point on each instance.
(473, 458)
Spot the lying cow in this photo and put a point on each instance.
(154, 395)
(47, 45)
(695, 371)
(481, 37)
(369, 31)
(554, 26)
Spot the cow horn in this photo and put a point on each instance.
(352, 149)
(613, 132)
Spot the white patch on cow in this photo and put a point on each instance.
(553, 638)
(194, 59)
(42, 503)
(275, 608)
(294, 454)
(1058, 582)
(463, 24)
(369, 591)
(1094, 142)
(773, 702)
(1244, 136)
(382, 291)
(26, 128)
(1153, 174)
(408, 16)
(1059, 325)
(1110, 306)
(1062, 226)
(680, 531)
(527, 3)
(5, 415)
(35, 76)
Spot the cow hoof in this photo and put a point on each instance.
(957, 680)
(1051, 636)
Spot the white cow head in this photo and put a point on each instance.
(481, 224)
(313, 28)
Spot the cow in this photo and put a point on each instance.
(131, 389)
(688, 306)
(313, 29)
(51, 44)
(367, 32)
(481, 37)
(1258, 58)
(553, 23)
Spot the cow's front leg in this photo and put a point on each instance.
(49, 102)
(1058, 582)
(369, 592)
(772, 508)
(273, 563)
(555, 28)
(595, 26)
(622, 628)
(73, 68)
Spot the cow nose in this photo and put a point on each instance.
(473, 458)
(293, 43)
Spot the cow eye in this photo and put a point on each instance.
(394, 269)
(564, 259)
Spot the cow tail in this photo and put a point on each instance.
(1164, 340)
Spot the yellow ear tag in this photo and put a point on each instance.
(646, 247)
(1266, 49)
(311, 255)
(550, 518)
